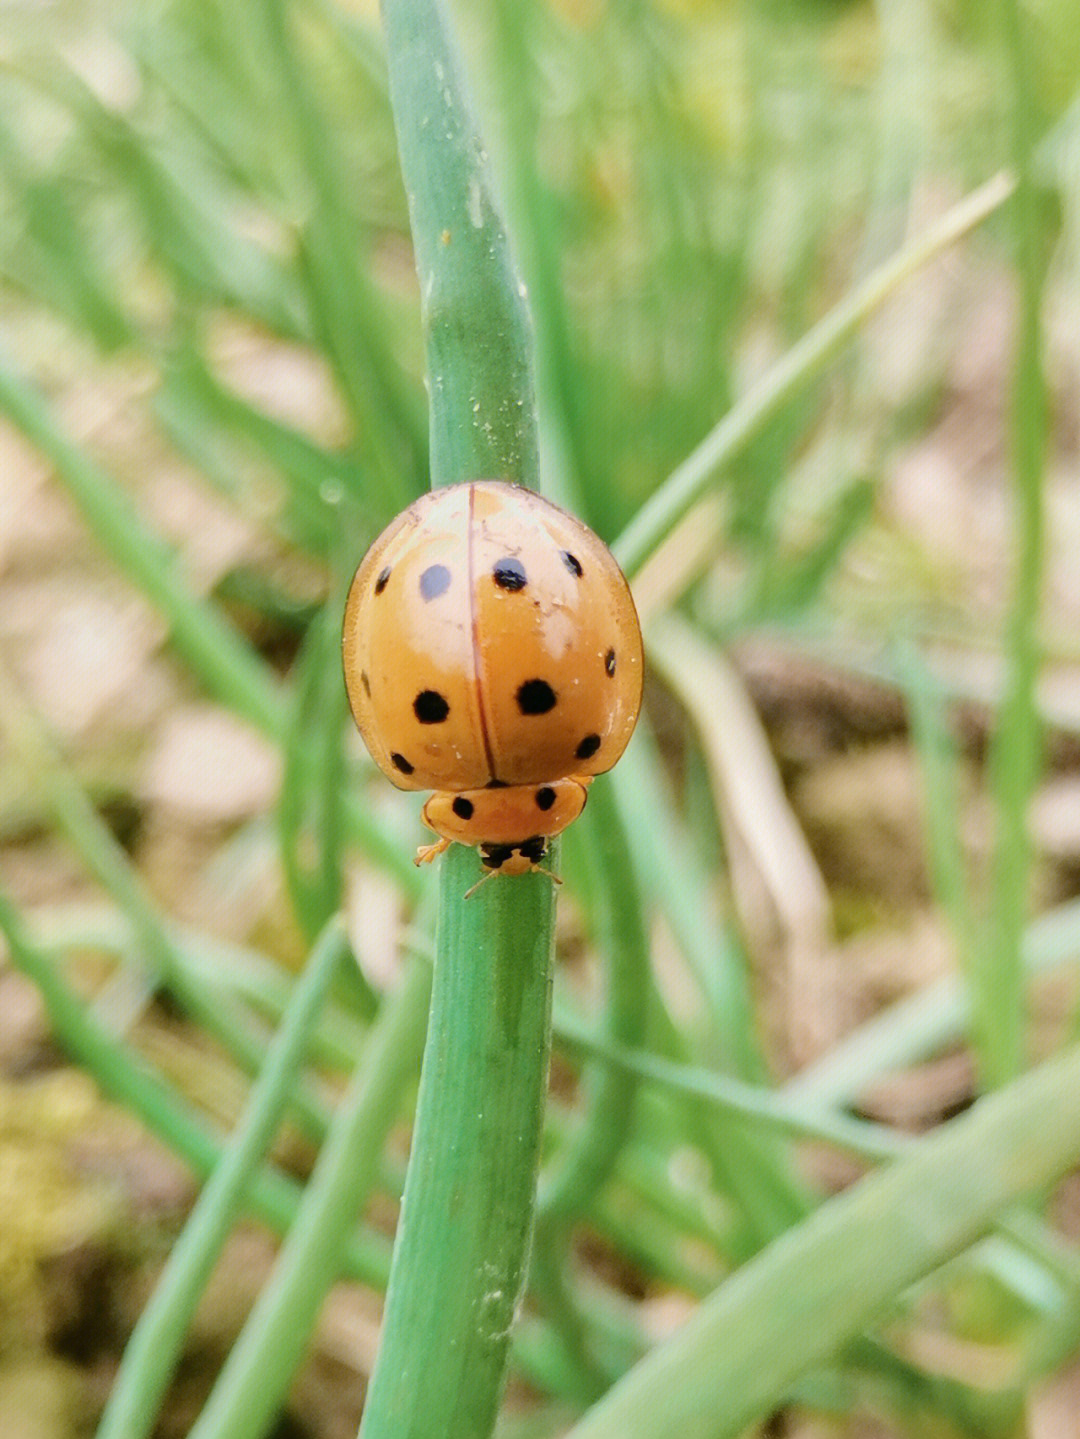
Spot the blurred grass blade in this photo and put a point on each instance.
(63, 268)
(621, 938)
(310, 806)
(615, 914)
(1015, 754)
(257, 1375)
(210, 424)
(106, 860)
(941, 797)
(679, 882)
(228, 665)
(800, 365)
(154, 1347)
(759, 1106)
(347, 310)
(788, 586)
(182, 204)
(837, 1272)
(915, 1028)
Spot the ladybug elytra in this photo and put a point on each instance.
(492, 654)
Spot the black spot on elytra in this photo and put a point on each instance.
(509, 574)
(588, 746)
(609, 662)
(462, 807)
(400, 762)
(380, 583)
(365, 682)
(535, 697)
(430, 707)
(545, 797)
(572, 563)
(434, 581)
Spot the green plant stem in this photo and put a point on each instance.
(798, 367)
(154, 1348)
(476, 323)
(259, 1370)
(460, 1253)
(830, 1277)
(1015, 754)
(459, 1260)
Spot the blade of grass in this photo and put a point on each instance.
(185, 221)
(917, 1027)
(616, 914)
(834, 1274)
(941, 801)
(209, 423)
(621, 937)
(106, 860)
(1015, 751)
(228, 666)
(679, 884)
(319, 710)
(153, 1350)
(800, 365)
(257, 1375)
(345, 305)
(759, 1107)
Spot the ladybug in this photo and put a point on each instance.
(492, 653)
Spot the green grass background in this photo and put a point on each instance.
(752, 274)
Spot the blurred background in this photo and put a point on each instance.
(211, 399)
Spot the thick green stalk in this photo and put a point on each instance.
(461, 1250)
(154, 1348)
(476, 322)
(459, 1261)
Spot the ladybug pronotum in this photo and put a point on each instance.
(492, 654)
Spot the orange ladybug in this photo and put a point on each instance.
(492, 654)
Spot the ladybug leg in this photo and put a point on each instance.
(427, 852)
(489, 874)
